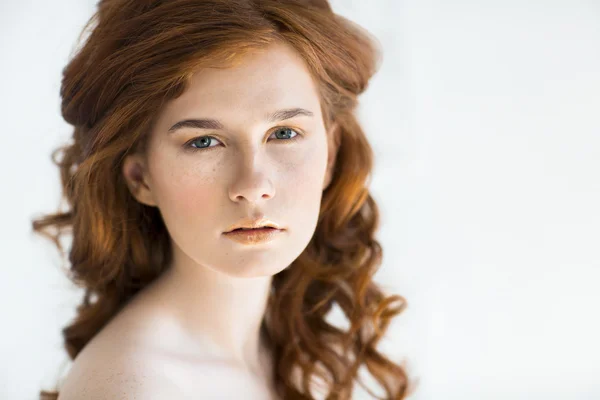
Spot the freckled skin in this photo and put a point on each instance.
(201, 193)
(213, 296)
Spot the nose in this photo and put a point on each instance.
(252, 183)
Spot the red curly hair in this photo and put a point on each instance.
(142, 53)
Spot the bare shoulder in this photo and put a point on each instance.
(115, 374)
(131, 375)
(124, 363)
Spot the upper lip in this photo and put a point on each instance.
(252, 223)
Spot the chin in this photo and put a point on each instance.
(252, 271)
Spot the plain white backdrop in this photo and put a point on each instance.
(485, 121)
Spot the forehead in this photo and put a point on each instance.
(264, 80)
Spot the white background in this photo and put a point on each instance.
(485, 122)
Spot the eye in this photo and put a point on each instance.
(287, 133)
(203, 142)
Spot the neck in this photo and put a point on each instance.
(220, 313)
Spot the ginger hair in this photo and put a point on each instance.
(141, 53)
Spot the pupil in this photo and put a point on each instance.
(203, 140)
(287, 135)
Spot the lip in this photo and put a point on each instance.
(254, 236)
(253, 223)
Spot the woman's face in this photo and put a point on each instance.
(205, 179)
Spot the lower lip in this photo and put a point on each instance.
(254, 236)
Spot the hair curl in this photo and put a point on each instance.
(142, 53)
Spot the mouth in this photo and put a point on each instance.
(254, 236)
(261, 229)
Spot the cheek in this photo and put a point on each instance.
(307, 172)
(184, 191)
(302, 182)
(191, 192)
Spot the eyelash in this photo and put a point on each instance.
(188, 144)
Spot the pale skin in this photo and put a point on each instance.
(195, 330)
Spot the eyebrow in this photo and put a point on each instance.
(278, 115)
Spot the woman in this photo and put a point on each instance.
(218, 204)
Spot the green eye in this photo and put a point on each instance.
(203, 142)
(287, 132)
